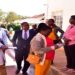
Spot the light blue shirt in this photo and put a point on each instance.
(6, 41)
(4, 37)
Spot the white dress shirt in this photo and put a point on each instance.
(23, 31)
(4, 37)
(2, 56)
(6, 41)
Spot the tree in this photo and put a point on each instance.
(11, 16)
(1, 14)
(22, 17)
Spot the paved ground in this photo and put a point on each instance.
(59, 62)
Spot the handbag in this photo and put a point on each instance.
(33, 59)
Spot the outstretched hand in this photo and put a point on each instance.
(66, 40)
(4, 47)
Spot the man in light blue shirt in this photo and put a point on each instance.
(4, 37)
(4, 43)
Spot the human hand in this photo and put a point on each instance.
(66, 40)
(4, 47)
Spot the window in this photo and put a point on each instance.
(57, 16)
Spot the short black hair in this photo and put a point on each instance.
(51, 20)
(73, 17)
(43, 26)
(24, 23)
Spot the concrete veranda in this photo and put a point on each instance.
(59, 62)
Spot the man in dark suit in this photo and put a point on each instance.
(55, 30)
(34, 29)
(22, 40)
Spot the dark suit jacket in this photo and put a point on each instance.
(22, 45)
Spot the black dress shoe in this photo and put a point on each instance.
(17, 71)
(25, 73)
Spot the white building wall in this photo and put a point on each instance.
(66, 6)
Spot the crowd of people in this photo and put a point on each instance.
(41, 40)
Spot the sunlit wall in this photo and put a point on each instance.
(65, 8)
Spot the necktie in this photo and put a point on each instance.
(25, 35)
